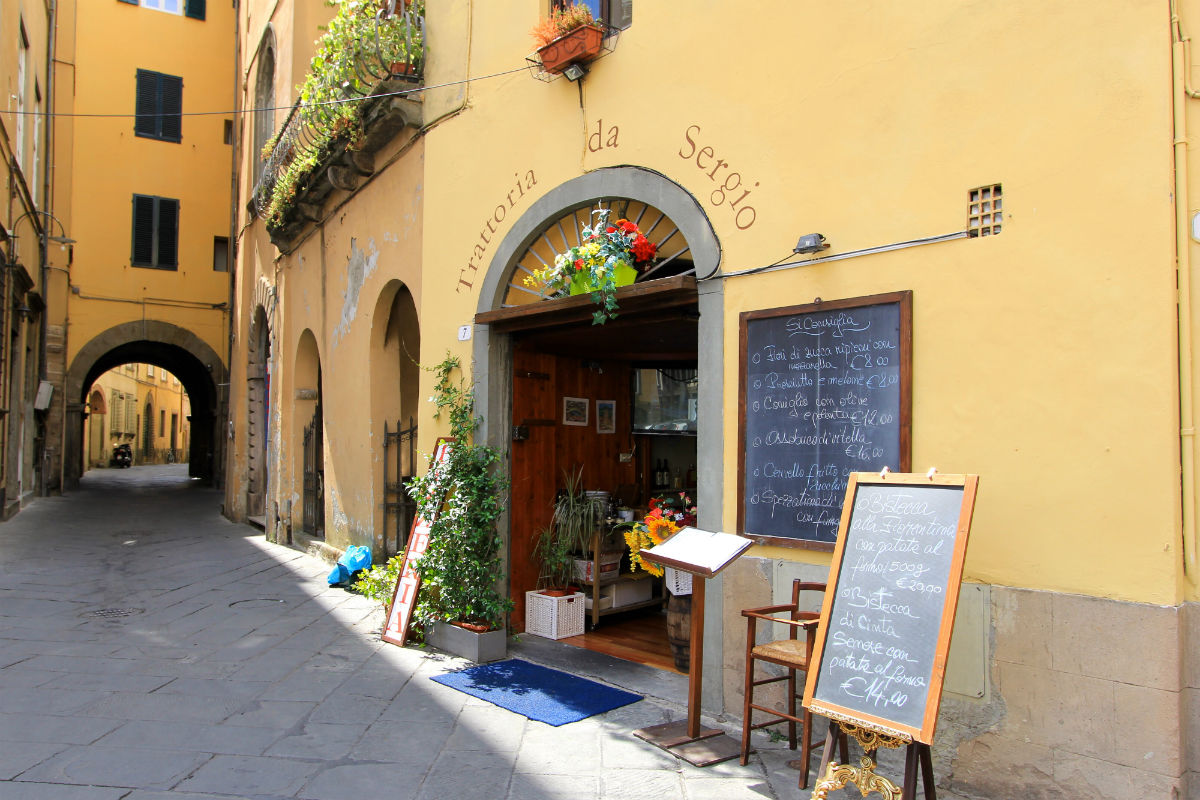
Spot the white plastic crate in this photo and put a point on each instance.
(627, 593)
(609, 570)
(554, 617)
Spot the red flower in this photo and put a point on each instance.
(610, 229)
(643, 249)
(579, 263)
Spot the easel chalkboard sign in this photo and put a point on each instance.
(884, 632)
(825, 390)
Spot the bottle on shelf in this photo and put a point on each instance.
(677, 481)
(691, 477)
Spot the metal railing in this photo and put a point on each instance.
(306, 129)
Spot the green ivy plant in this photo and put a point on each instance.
(379, 582)
(461, 570)
(351, 49)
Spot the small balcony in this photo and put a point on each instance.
(358, 95)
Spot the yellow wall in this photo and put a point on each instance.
(111, 164)
(1044, 358)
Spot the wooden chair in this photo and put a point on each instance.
(793, 654)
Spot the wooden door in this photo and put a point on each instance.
(533, 470)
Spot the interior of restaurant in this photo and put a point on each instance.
(617, 405)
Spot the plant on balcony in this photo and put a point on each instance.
(569, 35)
(461, 569)
(609, 257)
(356, 46)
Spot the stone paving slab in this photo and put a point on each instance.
(243, 675)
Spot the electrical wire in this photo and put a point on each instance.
(399, 93)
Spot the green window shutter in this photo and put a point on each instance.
(143, 231)
(194, 9)
(168, 233)
(170, 107)
(146, 105)
(131, 2)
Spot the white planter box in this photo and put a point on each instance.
(478, 647)
(554, 617)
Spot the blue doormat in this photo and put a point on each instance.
(540, 693)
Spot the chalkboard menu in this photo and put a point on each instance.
(825, 391)
(884, 631)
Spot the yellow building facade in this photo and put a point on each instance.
(1051, 345)
(145, 160)
(27, 76)
(143, 406)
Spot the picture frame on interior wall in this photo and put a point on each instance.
(606, 416)
(575, 411)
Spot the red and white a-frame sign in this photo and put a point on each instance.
(404, 596)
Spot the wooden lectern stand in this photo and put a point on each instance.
(702, 554)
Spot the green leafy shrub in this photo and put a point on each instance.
(461, 570)
(378, 582)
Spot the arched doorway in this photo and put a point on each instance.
(539, 352)
(196, 365)
(147, 449)
(395, 378)
(97, 422)
(258, 398)
(308, 436)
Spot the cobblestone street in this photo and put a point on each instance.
(151, 648)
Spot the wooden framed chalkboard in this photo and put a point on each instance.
(825, 390)
(884, 632)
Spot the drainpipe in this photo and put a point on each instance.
(1187, 429)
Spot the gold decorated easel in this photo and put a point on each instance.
(833, 775)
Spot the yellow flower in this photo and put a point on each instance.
(648, 533)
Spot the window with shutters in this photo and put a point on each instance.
(189, 8)
(155, 232)
(158, 114)
(117, 416)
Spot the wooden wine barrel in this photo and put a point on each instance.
(679, 630)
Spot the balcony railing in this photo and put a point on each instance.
(359, 59)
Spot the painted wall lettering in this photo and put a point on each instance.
(732, 188)
(600, 138)
(466, 275)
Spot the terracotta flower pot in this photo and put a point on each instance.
(579, 46)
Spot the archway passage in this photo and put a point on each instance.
(182, 353)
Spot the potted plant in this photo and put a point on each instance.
(461, 607)
(570, 35)
(557, 558)
(610, 256)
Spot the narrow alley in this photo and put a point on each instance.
(151, 648)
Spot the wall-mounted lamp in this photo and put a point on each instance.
(810, 243)
(25, 311)
(574, 72)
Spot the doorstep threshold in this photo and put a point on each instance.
(642, 679)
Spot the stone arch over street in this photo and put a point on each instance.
(197, 366)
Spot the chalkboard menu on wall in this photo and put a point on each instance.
(825, 391)
(884, 633)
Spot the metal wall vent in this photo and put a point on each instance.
(984, 211)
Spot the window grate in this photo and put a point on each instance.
(985, 210)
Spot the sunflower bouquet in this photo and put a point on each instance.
(609, 255)
(667, 516)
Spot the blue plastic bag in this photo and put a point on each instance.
(354, 559)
